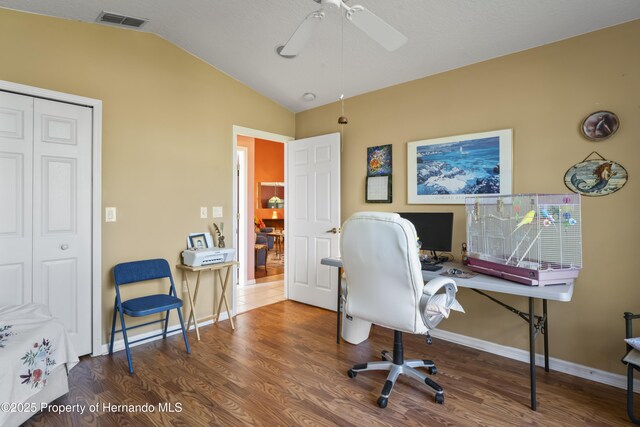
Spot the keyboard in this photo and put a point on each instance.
(430, 267)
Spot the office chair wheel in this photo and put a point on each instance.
(383, 354)
(351, 373)
(382, 402)
(440, 399)
(433, 370)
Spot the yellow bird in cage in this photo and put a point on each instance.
(528, 218)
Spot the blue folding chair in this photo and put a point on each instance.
(139, 271)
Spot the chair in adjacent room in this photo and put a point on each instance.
(632, 360)
(384, 286)
(262, 233)
(261, 250)
(133, 273)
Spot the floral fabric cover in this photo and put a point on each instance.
(32, 345)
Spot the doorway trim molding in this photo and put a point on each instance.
(96, 194)
(251, 133)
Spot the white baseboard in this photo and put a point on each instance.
(555, 364)
(118, 345)
(250, 282)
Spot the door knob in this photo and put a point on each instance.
(64, 246)
(334, 230)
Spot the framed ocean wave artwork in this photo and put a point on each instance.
(447, 170)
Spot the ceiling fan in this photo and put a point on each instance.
(373, 26)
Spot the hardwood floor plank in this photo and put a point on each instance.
(281, 366)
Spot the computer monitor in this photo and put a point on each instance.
(434, 230)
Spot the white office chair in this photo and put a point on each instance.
(384, 286)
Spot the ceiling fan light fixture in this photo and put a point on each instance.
(331, 4)
(361, 17)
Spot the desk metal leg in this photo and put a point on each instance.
(532, 352)
(339, 319)
(545, 332)
(536, 324)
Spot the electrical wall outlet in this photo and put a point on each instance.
(110, 214)
(203, 212)
(216, 212)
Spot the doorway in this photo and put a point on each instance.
(260, 222)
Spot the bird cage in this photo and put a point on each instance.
(533, 239)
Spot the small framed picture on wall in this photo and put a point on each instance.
(378, 189)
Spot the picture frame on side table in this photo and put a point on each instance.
(198, 241)
(449, 169)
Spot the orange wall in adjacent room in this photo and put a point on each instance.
(269, 167)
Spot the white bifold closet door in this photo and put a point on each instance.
(45, 209)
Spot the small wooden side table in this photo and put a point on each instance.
(278, 240)
(217, 269)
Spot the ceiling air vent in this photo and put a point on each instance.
(115, 19)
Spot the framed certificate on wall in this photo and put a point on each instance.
(378, 189)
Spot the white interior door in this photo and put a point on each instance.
(313, 195)
(62, 216)
(45, 209)
(16, 157)
(241, 215)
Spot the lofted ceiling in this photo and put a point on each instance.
(240, 37)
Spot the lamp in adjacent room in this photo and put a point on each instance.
(274, 201)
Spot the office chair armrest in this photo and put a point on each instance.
(433, 286)
(429, 291)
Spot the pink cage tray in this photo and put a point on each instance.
(550, 275)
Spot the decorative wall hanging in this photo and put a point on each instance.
(595, 177)
(379, 168)
(378, 189)
(446, 170)
(600, 125)
(379, 160)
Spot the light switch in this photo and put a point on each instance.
(216, 212)
(203, 212)
(110, 214)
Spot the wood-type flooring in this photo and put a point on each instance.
(282, 367)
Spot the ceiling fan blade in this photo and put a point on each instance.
(387, 36)
(302, 34)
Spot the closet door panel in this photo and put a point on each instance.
(16, 158)
(62, 216)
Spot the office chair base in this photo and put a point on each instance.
(408, 367)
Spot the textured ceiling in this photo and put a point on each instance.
(239, 37)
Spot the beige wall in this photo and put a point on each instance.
(543, 94)
(167, 130)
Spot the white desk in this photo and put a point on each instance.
(480, 283)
